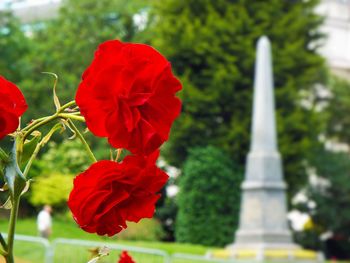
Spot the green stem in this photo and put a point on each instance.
(42, 121)
(32, 158)
(72, 116)
(3, 252)
(44, 140)
(11, 231)
(82, 139)
(34, 122)
(78, 113)
(65, 106)
(36, 126)
(3, 242)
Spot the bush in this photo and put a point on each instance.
(166, 214)
(146, 229)
(52, 190)
(68, 157)
(209, 198)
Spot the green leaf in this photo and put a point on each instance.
(21, 186)
(55, 97)
(13, 175)
(3, 156)
(10, 175)
(7, 205)
(4, 188)
(26, 187)
(58, 126)
(29, 147)
(4, 159)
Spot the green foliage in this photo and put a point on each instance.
(308, 239)
(68, 229)
(66, 46)
(53, 173)
(68, 157)
(209, 198)
(166, 212)
(211, 45)
(53, 189)
(337, 118)
(146, 230)
(332, 193)
(13, 46)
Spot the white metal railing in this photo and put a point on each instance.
(196, 258)
(112, 246)
(50, 250)
(38, 240)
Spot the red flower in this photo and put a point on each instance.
(128, 95)
(12, 106)
(108, 193)
(125, 258)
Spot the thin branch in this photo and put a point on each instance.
(82, 139)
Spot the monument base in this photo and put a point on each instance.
(273, 252)
(261, 238)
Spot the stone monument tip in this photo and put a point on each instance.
(263, 42)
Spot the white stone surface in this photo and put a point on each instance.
(263, 218)
(336, 48)
(263, 130)
(30, 11)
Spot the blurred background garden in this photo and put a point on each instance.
(211, 46)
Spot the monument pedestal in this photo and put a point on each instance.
(263, 220)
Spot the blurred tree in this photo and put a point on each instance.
(166, 210)
(148, 229)
(52, 189)
(54, 171)
(14, 45)
(68, 157)
(330, 191)
(209, 198)
(66, 46)
(337, 111)
(211, 45)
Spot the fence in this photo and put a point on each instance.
(84, 249)
(80, 251)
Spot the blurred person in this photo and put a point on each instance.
(44, 221)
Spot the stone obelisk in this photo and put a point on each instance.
(263, 218)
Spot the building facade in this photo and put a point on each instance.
(336, 48)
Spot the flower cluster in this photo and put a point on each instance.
(109, 193)
(127, 95)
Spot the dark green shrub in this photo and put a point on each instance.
(209, 198)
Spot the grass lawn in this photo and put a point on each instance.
(31, 252)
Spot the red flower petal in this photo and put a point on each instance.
(127, 94)
(125, 258)
(8, 123)
(12, 106)
(108, 194)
